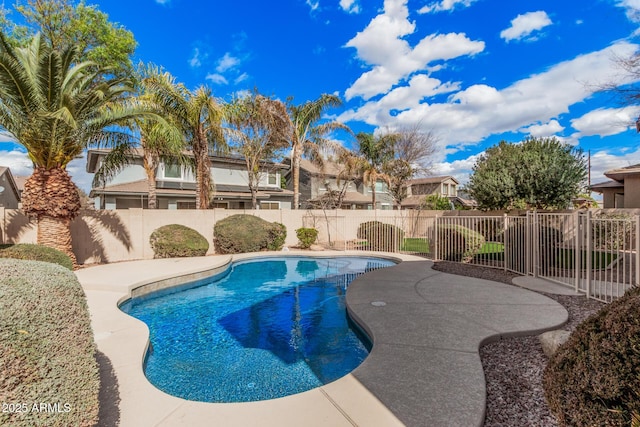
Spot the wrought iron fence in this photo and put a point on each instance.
(593, 254)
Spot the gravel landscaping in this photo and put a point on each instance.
(513, 367)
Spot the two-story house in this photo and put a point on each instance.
(316, 182)
(9, 191)
(176, 185)
(445, 186)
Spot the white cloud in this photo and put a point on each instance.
(606, 121)
(195, 61)
(522, 26)
(543, 130)
(460, 169)
(479, 111)
(602, 161)
(313, 5)
(163, 1)
(227, 62)
(632, 8)
(444, 5)
(350, 6)
(218, 79)
(382, 46)
(242, 77)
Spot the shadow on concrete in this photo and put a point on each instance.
(87, 239)
(109, 395)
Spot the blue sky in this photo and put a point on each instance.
(472, 72)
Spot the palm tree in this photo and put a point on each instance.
(375, 152)
(159, 141)
(56, 107)
(199, 117)
(309, 137)
(260, 127)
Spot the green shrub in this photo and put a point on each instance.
(458, 243)
(26, 251)
(47, 353)
(380, 236)
(175, 241)
(594, 378)
(549, 238)
(277, 236)
(307, 237)
(247, 233)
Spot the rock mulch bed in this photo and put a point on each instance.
(513, 367)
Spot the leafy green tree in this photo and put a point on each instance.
(436, 202)
(198, 116)
(540, 173)
(159, 140)
(67, 23)
(55, 107)
(309, 136)
(261, 129)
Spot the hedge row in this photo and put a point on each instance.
(48, 371)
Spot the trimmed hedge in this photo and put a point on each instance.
(594, 378)
(47, 352)
(247, 233)
(175, 241)
(380, 236)
(306, 237)
(458, 243)
(27, 251)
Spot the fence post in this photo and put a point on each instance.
(528, 245)
(436, 245)
(589, 248)
(505, 239)
(637, 278)
(577, 248)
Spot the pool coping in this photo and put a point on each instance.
(394, 386)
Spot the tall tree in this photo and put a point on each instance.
(199, 116)
(55, 107)
(412, 149)
(261, 129)
(309, 136)
(375, 151)
(541, 173)
(159, 140)
(67, 23)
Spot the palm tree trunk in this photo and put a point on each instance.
(150, 167)
(56, 233)
(295, 163)
(53, 198)
(203, 171)
(373, 195)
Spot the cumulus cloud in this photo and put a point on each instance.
(472, 114)
(632, 9)
(382, 46)
(195, 60)
(227, 62)
(606, 121)
(218, 79)
(543, 130)
(242, 77)
(444, 5)
(604, 160)
(313, 5)
(523, 26)
(350, 6)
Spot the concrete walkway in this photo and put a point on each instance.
(424, 369)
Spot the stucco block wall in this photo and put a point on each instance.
(631, 192)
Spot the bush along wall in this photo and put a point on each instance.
(458, 243)
(48, 372)
(32, 252)
(175, 241)
(247, 233)
(380, 236)
(594, 378)
(306, 237)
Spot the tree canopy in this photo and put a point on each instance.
(541, 173)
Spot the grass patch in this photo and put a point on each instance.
(599, 260)
(415, 244)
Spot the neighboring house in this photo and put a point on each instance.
(445, 186)
(623, 189)
(9, 193)
(315, 182)
(176, 185)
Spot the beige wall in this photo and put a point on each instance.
(632, 191)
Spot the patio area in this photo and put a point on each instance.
(424, 368)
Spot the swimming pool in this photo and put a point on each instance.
(268, 328)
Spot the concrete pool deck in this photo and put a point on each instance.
(424, 368)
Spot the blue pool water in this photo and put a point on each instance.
(269, 328)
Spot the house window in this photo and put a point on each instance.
(172, 171)
(186, 205)
(445, 189)
(381, 187)
(452, 190)
(270, 205)
(273, 178)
